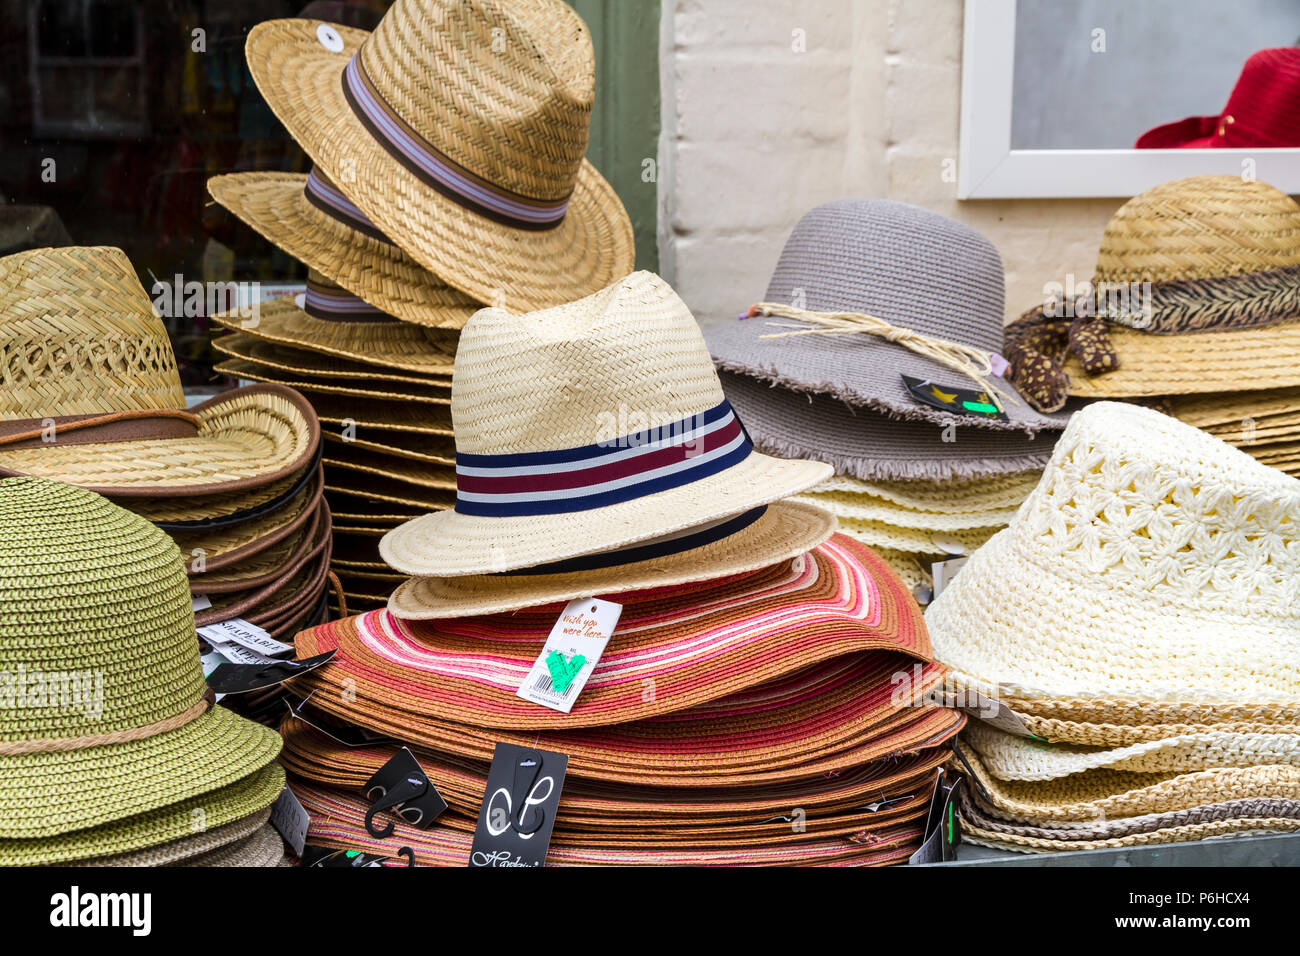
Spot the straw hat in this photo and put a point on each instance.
(85, 362)
(416, 393)
(315, 365)
(954, 497)
(779, 532)
(330, 320)
(586, 428)
(261, 848)
(869, 446)
(76, 568)
(869, 290)
(311, 219)
(186, 848)
(459, 129)
(1197, 289)
(1153, 562)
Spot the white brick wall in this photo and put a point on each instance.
(755, 134)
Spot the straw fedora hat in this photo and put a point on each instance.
(92, 395)
(316, 365)
(1197, 289)
(869, 290)
(1153, 562)
(628, 437)
(459, 128)
(312, 220)
(753, 540)
(332, 321)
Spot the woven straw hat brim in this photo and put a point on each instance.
(885, 535)
(862, 371)
(1133, 711)
(430, 395)
(1103, 794)
(382, 274)
(785, 530)
(258, 569)
(262, 848)
(1009, 757)
(869, 446)
(390, 345)
(447, 544)
(186, 848)
(1101, 734)
(200, 508)
(973, 833)
(404, 419)
(314, 365)
(1152, 365)
(490, 262)
(423, 448)
(911, 568)
(869, 508)
(1232, 408)
(167, 824)
(99, 785)
(338, 821)
(419, 473)
(386, 492)
(956, 497)
(1009, 597)
(249, 437)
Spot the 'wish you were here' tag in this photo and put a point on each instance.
(571, 651)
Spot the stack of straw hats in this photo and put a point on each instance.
(92, 397)
(113, 752)
(865, 293)
(1137, 632)
(1194, 307)
(762, 698)
(449, 172)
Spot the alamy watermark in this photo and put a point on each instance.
(1126, 303)
(23, 689)
(180, 299)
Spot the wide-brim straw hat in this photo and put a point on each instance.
(263, 847)
(587, 428)
(277, 562)
(865, 292)
(782, 531)
(1011, 757)
(483, 140)
(696, 641)
(372, 391)
(178, 852)
(1103, 794)
(867, 445)
(433, 449)
(320, 231)
(1197, 289)
(953, 497)
(316, 365)
(1153, 562)
(134, 728)
(870, 508)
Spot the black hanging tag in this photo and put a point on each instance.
(329, 857)
(348, 735)
(402, 786)
(942, 825)
(951, 398)
(519, 805)
(242, 678)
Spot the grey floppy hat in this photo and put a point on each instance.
(918, 276)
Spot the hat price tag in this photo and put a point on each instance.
(290, 820)
(951, 398)
(402, 786)
(942, 572)
(519, 806)
(346, 734)
(942, 825)
(242, 678)
(240, 655)
(200, 602)
(570, 653)
(329, 857)
(992, 712)
(238, 631)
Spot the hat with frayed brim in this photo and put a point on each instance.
(92, 395)
(584, 429)
(116, 720)
(468, 152)
(311, 219)
(869, 290)
(784, 530)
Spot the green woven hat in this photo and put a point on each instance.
(104, 714)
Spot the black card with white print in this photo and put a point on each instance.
(518, 813)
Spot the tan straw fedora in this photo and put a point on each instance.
(459, 128)
(315, 365)
(311, 219)
(92, 395)
(584, 429)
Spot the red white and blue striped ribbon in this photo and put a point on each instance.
(602, 474)
(329, 199)
(335, 304)
(437, 170)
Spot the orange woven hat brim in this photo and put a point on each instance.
(521, 269)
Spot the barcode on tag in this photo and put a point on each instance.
(572, 649)
(543, 685)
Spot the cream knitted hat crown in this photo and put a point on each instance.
(1152, 561)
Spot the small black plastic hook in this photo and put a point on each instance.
(407, 853)
(408, 789)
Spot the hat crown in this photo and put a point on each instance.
(78, 336)
(616, 362)
(1133, 500)
(505, 90)
(1201, 227)
(909, 266)
(96, 624)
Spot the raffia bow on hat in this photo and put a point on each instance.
(1037, 345)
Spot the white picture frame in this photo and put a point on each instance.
(988, 168)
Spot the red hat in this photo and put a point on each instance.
(1263, 110)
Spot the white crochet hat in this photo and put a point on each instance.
(1152, 561)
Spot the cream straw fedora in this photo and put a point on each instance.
(584, 429)
(1152, 562)
(459, 128)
